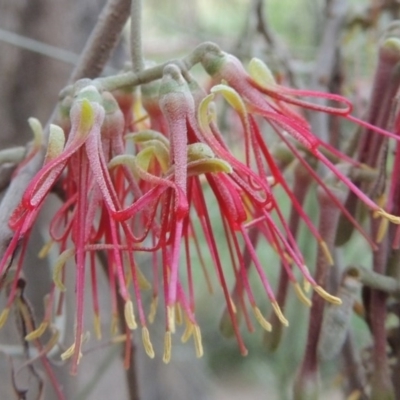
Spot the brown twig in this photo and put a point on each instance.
(130, 372)
(326, 60)
(102, 40)
(306, 385)
(273, 41)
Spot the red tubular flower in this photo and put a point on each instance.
(245, 199)
(263, 96)
(87, 216)
(120, 203)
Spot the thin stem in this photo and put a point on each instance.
(381, 384)
(151, 74)
(130, 372)
(375, 280)
(322, 75)
(307, 380)
(302, 181)
(136, 36)
(102, 40)
(354, 370)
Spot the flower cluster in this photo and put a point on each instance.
(131, 187)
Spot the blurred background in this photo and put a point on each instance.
(40, 41)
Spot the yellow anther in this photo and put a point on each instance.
(62, 259)
(69, 353)
(300, 294)
(129, 315)
(178, 314)
(118, 339)
(188, 330)
(306, 285)
(279, 314)
(261, 320)
(148, 347)
(167, 347)
(326, 252)
(328, 297)
(390, 217)
(37, 332)
(153, 309)
(383, 227)
(171, 318)
(97, 326)
(3, 316)
(44, 251)
(197, 341)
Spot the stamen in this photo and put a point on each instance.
(71, 350)
(326, 252)
(328, 297)
(129, 315)
(118, 339)
(44, 251)
(279, 314)
(306, 285)
(148, 347)
(37, 332)
(153, 309)
(167, 347)
(188, 331)
(197, 341)
(97, 326)
(300, 294)
(382, 230)
(178, 314)
(261, 320)
(390, 217)
(69, 353)
(3, 316)
(62, 259)
(171, 318)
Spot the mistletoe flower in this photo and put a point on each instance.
(79, 166)
(244, 197)
(264, 97)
